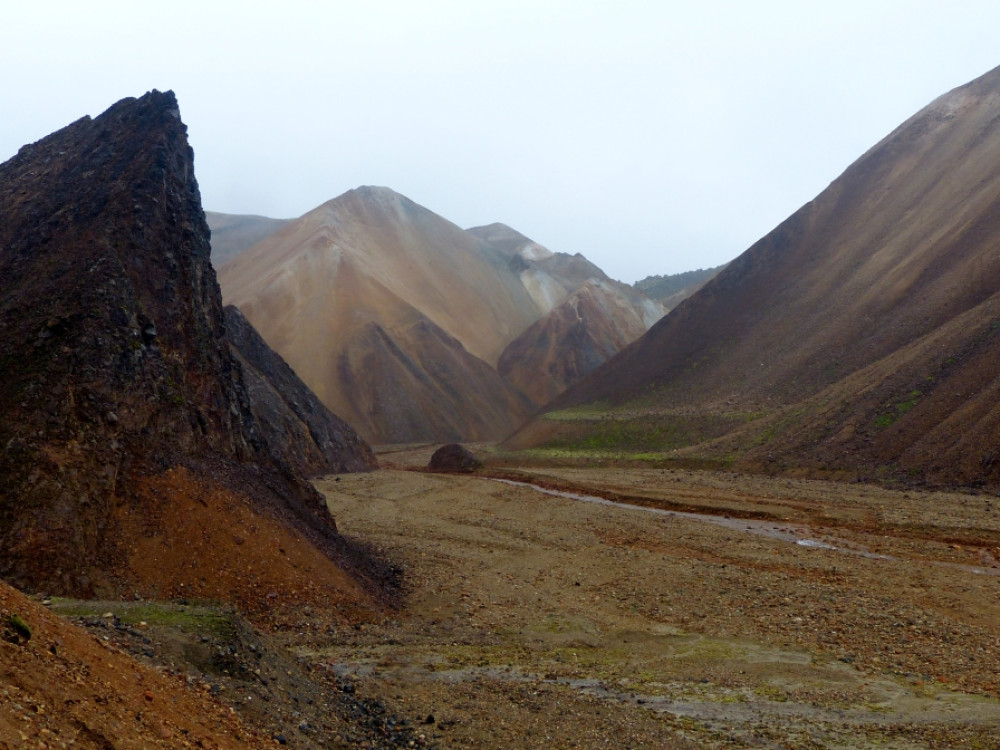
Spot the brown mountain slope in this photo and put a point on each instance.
(335, 282)
(293, 421)
(588, 328)
(65, 688)
(234, 233)
(418, 258)
(548, 277)
(119, 396)
(437, 304)
(893, 267)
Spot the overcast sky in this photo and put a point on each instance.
(653, 137)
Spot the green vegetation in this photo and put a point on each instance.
(18, 629)
(639, 435)
(202, 619)
(585, 412)
(889, 417)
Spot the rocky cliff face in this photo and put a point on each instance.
(114, 363)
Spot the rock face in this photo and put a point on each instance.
(114, 363)
(863, 333)
(293, 423)
(453, 458)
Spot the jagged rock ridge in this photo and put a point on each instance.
(114, 362)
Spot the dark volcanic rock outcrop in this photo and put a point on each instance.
(453, 458)
(114, 364)
(293, 422)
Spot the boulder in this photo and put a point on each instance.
(454, 458)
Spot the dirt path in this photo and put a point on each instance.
(540, 621)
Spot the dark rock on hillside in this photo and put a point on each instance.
(294, 423)
(454, 458)
(114, 364)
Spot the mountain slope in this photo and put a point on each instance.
(294, 423)
(672, 289)
(234, 233)
(120, 400)
(396, 317)
(853, 320)
(588, 328)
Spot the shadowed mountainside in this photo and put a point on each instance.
(587, 329)
(120, 400)
(294, 423)
(396, 317)
(860, 335)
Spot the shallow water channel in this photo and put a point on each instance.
(798, 534)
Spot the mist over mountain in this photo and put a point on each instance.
(860, 335)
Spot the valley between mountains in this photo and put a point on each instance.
(540, 621)
(752, 506)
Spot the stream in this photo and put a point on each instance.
(798, 534)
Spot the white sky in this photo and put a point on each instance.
(653, 137)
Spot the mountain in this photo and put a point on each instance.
(296, 427)
(128, 432)
(396, 317)
(859, 336)
(672, 289)
(590, 326)
(234, 233)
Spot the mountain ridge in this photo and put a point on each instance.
(371, 276)
(895, 249)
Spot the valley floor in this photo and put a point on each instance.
(799, 615)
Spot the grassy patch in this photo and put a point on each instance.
(898, 410)
(646, 436)
(199, 619)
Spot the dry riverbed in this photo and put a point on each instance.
(537, 621)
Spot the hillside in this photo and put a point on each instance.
(129, 430)
(234, 233)
(672, 289)
(859, 336)
(397, 318)
(595, 322)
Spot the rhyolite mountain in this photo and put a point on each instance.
(127, 426)
(234, 233)
(588, 328)
(396, 318)
(860, 336)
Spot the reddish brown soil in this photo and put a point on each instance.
(65, 688)
(194, 541)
